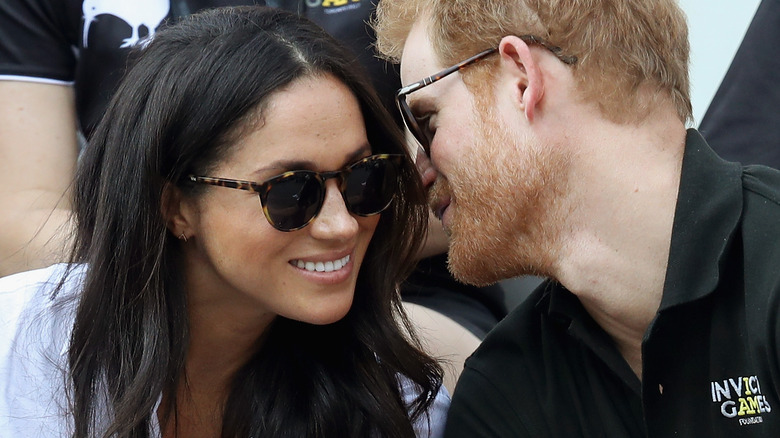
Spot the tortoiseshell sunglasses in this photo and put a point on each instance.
(418, 126)
(293, 199)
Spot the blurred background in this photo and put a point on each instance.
(716, 28)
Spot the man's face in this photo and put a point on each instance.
(496, 179)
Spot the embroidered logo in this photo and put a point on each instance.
(137, 13)
(740, 398)
(334, 6)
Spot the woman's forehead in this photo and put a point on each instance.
(315, 122)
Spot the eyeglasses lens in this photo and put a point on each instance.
(412, 125)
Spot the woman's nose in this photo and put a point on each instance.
(334, 220)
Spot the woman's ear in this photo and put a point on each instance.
(522, 70)
(177, 212)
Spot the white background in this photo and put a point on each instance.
(716, 28)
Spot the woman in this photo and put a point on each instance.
(190, 309)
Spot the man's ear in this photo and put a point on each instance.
(522, 69)
(177, 212)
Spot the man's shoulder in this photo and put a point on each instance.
(761, 213)
(762, 181)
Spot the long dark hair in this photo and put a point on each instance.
(178, 110)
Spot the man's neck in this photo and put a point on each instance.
(623, 194)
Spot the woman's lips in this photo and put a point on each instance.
(440, 206)
(326, 272)
(322, 266)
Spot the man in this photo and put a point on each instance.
(559, 148)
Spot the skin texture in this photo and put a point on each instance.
(38, 149)
(239, 269)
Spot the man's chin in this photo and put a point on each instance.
(471, 264)
(480, 257)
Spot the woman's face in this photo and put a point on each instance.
(238, 265)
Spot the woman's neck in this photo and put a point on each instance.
(221, 341)
(196, 411)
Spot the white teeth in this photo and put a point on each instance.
(329, 266)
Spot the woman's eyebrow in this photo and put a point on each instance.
(285, 165)
(358, 154)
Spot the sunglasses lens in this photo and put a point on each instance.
(293, 200)
(370, 186)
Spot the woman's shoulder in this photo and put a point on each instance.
(27, 297)
(37, 310)
(15, 288)
(35, 326)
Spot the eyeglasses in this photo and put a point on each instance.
(293, 199)
(416, 125)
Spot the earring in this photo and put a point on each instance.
(183, 237)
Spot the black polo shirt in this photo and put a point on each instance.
(711, 366)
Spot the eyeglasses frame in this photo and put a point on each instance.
(262, 188)
(406, 112)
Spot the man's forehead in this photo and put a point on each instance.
(418, 59)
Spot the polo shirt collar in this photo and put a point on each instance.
(564, 308)
(708, 212)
